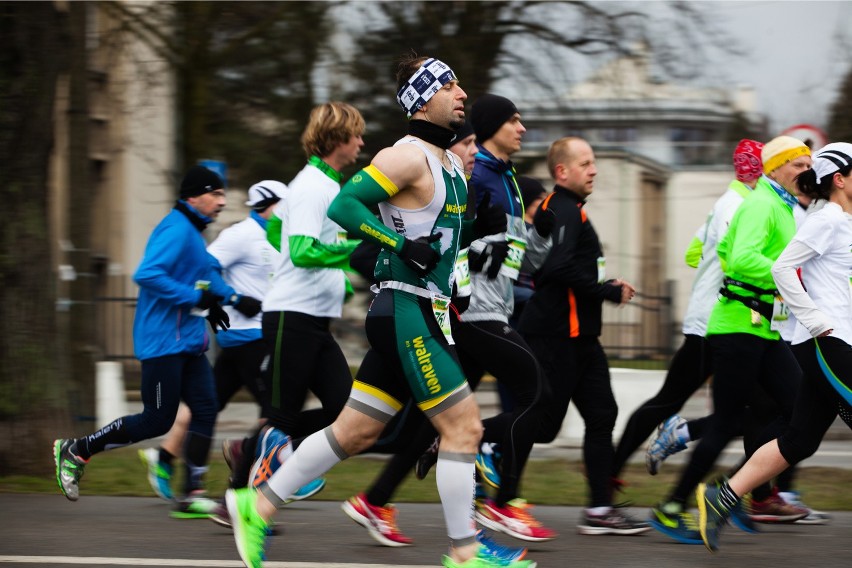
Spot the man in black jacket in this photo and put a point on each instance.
(562, 325)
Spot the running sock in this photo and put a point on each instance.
(196, 451)
(672, 508)
(727, 497)
(682, 433)
(454, 476)
(317, 454)
(598, 511)
(166, 456)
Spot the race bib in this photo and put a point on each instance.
(462, 272)
(198, 312)
(780, 314)
(441, 311)
(512, 264)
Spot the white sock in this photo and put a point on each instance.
(454, 476)
(682, 432)
(317, 454)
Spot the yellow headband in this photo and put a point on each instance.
(785, 156)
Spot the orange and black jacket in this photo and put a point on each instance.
(568, 297)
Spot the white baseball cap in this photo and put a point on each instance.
(265, 193)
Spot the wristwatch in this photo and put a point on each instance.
(234, 299)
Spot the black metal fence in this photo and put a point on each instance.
(640, 334)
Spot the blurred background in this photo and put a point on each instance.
(105, 104)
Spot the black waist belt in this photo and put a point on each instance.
(756, 304)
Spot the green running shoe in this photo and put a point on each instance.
(485, 559)
(249, 528)
(159, 473)
(69, 468)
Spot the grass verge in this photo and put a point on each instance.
(546, 482)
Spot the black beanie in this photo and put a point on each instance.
(463, 132)
(198, 181)
(531, 189)
(488, 114)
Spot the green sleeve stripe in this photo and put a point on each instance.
(308, 252)
(273, 232)
(390, 188)
(693, 252)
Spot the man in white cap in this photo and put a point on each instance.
(246, 261)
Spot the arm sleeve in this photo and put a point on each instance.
(308, 252)
(784, 271)
(743, 250)
(273, 231)
(693, 252)
(351, 208)
(565, 269)
(157, 265)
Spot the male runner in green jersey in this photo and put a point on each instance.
(421, 192)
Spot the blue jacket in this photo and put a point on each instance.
(175, 259)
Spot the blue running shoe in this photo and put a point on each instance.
(667, 442)
(503, 553)
(159, 473)
(486, 466)
(678, 526)
(273, 449)
(307, 490)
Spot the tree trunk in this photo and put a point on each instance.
(33, 408)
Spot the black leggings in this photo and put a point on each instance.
(818, 399)
(496, 348)
(303, 356)
(577, 369)
(741, 362)
(690, 368)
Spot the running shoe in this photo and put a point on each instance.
(250, 529)
(484, 560)
(774, 509)
(514, 519)
(69, 468)
(814, 517)
(680, 526)
(616, 521)
(505, 553)
(712, 515)
(427, 460)
(159, 473)
(486, 467)
(232, 450)
(273, 449)
(307, 490)
(196, 505)
(379, 521)
(664, 444)
(220, 515)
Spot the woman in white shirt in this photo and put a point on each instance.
(820, 296)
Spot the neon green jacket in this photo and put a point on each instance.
(759, 231)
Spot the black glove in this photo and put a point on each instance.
(419, 255)
(218, 318)
(461, 303)
(490, 219)
(247, 306)
(543, 221)
(208, 300)
(497, 252)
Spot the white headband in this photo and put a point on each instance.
(427, 81)
(831, 158)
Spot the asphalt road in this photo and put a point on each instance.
(48, 530)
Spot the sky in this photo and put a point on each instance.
(797, 58)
